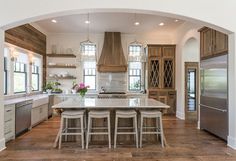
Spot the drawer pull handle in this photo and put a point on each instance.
(8, 110)
(8, 132)
(8, 120)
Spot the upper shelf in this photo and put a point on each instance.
(62, 55)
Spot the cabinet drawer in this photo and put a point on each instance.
(9, 112)
(9, 126)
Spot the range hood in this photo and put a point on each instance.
(112, 58)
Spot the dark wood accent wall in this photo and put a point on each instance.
(28, 37)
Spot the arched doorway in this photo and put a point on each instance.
(52, 9)
(191, 63)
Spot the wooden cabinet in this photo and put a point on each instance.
(9, 122)
(161, 75)
(212, 43)
(161, 66)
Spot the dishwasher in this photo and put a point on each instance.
(23, 116)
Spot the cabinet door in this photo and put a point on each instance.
(154, 51)
(43, 112)
(168, 73)
(220, 41)
(154, 73)
(206, 43)
(168, 51)
(35, 117)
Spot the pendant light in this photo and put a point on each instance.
(87, 41)
(136, 24)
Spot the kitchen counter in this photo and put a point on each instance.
(40, 96)
(22, 99)
(96, 103)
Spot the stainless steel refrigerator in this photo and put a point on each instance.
(214, 96)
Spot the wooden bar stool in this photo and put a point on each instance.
(126, 114)
(159, 127)
(72, 114)
(98, 114)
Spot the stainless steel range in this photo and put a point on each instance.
(112, 95)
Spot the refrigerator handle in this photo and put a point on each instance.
(213, 108)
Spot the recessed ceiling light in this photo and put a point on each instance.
(54, 21)
(136, 23)
(176, 20)
(87, 22)
(161, 24)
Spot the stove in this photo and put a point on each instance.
(112, 95)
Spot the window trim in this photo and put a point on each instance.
(130, 52)
(140, 77)
(22, 73)
(35, 73)
(5, 74)
(84, 75)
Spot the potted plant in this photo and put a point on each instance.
(48, 87)
(56, 88)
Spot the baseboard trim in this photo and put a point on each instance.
(180, 115)
(231, 142)
(2, 144)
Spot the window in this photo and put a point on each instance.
(35, 77)
(5, 75)
(135, 68)
(135, 76)
(20, 77)
(88, 51)
(90, 74)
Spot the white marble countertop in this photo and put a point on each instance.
(27, 98)
(96, 103)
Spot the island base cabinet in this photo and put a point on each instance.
(165, 96)
(39, 114)
(9, 122)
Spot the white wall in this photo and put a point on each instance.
(70, 40)
(183, 54)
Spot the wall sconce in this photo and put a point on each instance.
(14, 55)
(31, 59)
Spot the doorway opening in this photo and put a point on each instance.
(191, 91)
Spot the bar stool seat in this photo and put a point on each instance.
(72, 114)
(159, 127)
(126, 114)
(98, 114)
(123, 113)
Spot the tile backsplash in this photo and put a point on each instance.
(112, 81)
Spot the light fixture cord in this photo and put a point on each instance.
(88, 27)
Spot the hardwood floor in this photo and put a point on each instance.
(185, 143)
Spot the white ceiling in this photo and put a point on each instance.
(114, 22)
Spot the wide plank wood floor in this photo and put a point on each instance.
(185, 143)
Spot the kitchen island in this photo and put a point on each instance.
(111, 104)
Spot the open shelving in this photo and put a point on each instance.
(62, 55)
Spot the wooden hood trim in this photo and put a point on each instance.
(112, 58)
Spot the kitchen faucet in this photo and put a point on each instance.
(28, 92)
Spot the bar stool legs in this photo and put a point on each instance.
(102, 115)
(158, 129)
(71, 115)
(126, 114)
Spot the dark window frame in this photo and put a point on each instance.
(132, 49)
(22, 72)
(90, 75)
(5, 74)
(134, 76)
(35, 71)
